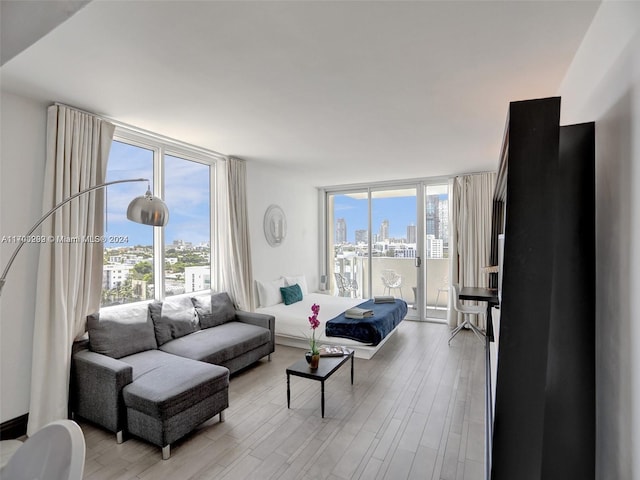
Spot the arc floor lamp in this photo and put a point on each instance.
(145, 209)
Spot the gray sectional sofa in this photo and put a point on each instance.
(157, 370)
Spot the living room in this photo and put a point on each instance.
(598, 81)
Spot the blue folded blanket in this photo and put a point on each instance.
(371, 330)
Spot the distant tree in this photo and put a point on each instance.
(141, 269)
(178, 267)
(192, 259)
(121, 293)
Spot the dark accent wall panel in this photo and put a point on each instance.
(570, 386)
(534, 133)
(544, 425)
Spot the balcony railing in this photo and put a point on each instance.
(437, 288)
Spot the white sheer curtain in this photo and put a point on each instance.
(69, 278)
(470, 237)
(235, 248)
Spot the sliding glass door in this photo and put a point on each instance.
(395, 258)
(348, 243)
(436, 242)
(372, 243)
(390, 240)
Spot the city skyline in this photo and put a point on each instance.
(400, 212)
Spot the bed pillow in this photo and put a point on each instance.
(214, 309)
(173, 318)
(269, 292)
(291, 294)
(300, 280)
(121, 330)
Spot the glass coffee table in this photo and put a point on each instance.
(326, 368)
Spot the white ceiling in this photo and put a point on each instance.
(343, 91)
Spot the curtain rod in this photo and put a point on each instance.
(148, 133)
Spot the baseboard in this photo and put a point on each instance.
(14, 428)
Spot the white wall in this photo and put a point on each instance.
(298, 252)
(22, 154)
(603, 85)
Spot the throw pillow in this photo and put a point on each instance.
(122, 330)
(202, 304)
(214, 309)
(291, 294)
(173, 318)
(300, 280)
(269, 292)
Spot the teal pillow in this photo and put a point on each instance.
(291, 294)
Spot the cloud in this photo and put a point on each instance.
(186, 193)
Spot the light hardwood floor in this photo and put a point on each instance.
(415, 411)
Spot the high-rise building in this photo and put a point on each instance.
(443, 215)
(435, 247)
(437, 218)
(412, 234)
(384, 230)
(341, 230)
(432, 216)
(362, 236)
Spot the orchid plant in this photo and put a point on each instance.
(314, 323)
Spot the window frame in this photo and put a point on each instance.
(161, 147)
(368, 189)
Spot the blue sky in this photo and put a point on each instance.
(400, 211)
(186, 194)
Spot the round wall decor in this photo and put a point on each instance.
(275, 225)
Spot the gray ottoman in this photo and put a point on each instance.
(167, 401)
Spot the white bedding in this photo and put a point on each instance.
(292, 321)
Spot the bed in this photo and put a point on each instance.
(370, 330)
(292, 326)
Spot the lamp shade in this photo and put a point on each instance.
(148, 210)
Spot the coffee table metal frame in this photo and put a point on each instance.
(326, 368)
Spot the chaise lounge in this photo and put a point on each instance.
(158, 370)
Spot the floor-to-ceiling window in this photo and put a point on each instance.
(390, 239)
(348, 242)
(142, 262)
(436, 242)
(395, 251)
(187, 238)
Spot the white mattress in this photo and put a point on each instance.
(293, 320)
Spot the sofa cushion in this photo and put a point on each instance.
(220, 344)
(291, 294)
(144, 362)
(161, 389)
(121, 330)
(173, 318)
(214, 309)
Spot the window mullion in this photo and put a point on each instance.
(158, 232)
